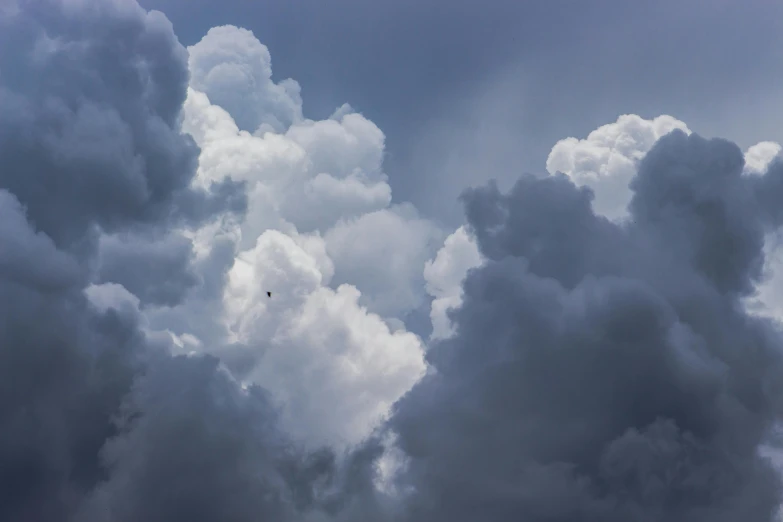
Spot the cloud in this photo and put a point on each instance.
(606, 160)
(603, 371)
(385, 267)
(50, 268)
(191, 439)
(758, 157)
(320, 233)
(335, 367)
(445, 275)
(78, 150)
(100, 421)
(595, 369)
(235, 70)
(156, 270)
(310, 177)
(118, 113)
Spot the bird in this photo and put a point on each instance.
(269, 294)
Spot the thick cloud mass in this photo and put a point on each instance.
(606, 160)
(605, 372)
(235, 70)
(196, 446)
(99, 421)
(335, 367)
(157, 271)
(581, 368)
(80, 99)
(344, 265)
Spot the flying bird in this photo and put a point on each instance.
(269, 294)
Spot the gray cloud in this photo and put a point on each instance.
(598, 372)
(604, 372)
(50, 269)
(194, 446)
(64, 371)
(99, 421)
(90, 134)
(157, 270)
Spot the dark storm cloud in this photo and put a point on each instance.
(64, 370)
(599, 372)
(98, 421)
(195, 447)
(157, 271)
(29, 258)
(90, 132)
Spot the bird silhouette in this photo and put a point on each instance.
(269, 294)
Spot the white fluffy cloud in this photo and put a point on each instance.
(759, 156)
(305, 179)
(606, 160)
(320, 234)
(235, 70)
(444, 276)
(336, 367)
(768, 299)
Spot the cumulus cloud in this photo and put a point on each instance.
(161, 471)
(156, 270)
(90, 141)
(235, 70)
(606, 160)
(445, 274)
(602, 371)
(758, 157)
(335, 367)
(97, 199)
(309, 177)
(52, 269)
(58, 143)
(580, 368)
(343, 264)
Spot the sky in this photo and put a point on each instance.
(390, 261)
(464, 88)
